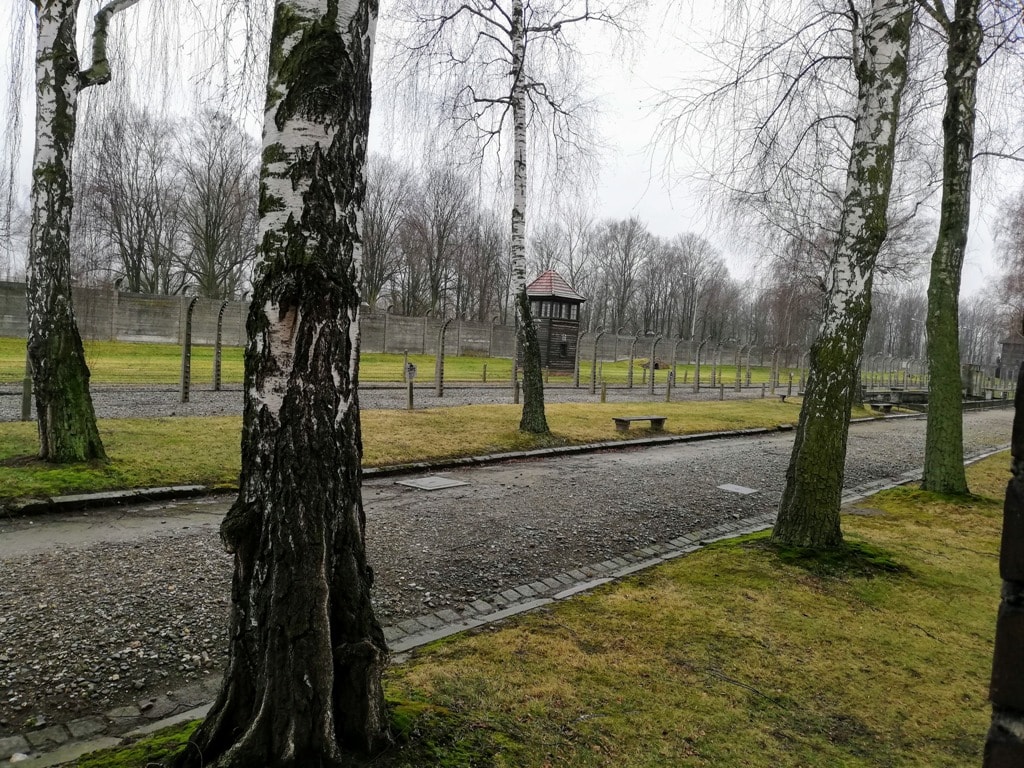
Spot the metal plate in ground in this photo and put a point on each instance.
(431, 483)
(737, 489)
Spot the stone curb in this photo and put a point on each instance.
(72, 502)
(67, 742)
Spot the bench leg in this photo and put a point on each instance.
(622, 426)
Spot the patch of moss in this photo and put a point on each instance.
(150, 751)
(428, 734)
(851, 560)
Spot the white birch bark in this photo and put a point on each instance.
(519, 167)
(809, 510)
(66, 420)
(303, 684)
(533, 416)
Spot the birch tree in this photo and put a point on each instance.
(504, 56)
(303, 681)
(809, 510)
(807, 99)
(60, 376)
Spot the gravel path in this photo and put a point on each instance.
(138, 606)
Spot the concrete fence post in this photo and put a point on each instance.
(774, 375)
(651, 364)
(439, 360)
(632, 360)
(576, 362)
(593, 363)
(217, 347)
(115, 292)
(186, 352)
(26, 390)
(696, 365)
(672, 365)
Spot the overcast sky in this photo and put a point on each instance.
(632, 176)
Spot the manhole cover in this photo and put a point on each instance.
(431, 483)
(737, 489)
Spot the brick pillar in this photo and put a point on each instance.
(1004, 747)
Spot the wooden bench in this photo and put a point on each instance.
(883, 407)
(622, 422)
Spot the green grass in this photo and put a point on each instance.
(205, 450)
(744, 656)
(118, 362)
(736, 656)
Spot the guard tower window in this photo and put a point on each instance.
(563, 349)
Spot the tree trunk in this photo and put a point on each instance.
(1005, 743)
(533, 418)
(60, 376)
(303, 683)
(809, 510)
(944, 451)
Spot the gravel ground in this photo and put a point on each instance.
(87, 628)
(131, 402)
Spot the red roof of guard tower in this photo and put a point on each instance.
(551, 283)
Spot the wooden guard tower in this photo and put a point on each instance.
(556, 312)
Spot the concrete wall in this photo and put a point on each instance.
(105, 314)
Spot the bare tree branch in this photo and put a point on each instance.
(99, 71)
